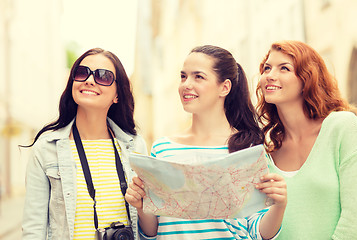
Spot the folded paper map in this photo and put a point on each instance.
(199, 186)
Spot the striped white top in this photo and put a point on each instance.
(175, 228)
(110, 201)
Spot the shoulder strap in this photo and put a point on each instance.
(88, 177)
(86, 170)
(122, 180)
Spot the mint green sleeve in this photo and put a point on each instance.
(346, 227)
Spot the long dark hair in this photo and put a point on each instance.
(121, 113)
(239, 109)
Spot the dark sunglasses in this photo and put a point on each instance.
(101, 76)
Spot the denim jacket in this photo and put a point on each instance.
(50, 200)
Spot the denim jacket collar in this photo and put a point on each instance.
(63, 133)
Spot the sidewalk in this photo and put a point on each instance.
(10, 216)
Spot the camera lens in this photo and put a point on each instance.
(123, 235)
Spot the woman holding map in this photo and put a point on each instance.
(214, 90)
(313, 142)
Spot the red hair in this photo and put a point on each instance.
(320, 91)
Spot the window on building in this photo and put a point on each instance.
(325, 4)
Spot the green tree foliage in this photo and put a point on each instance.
(71, 53)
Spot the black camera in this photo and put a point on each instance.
(116, 231)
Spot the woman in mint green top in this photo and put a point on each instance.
(312, 140)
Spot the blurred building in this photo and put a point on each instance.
(331, 30)
(32, 63)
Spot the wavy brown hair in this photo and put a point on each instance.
(320, 91)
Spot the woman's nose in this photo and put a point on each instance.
(90, 80)
(187, 84)
(271, 75)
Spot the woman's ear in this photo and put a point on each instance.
(115, 100)
(225, 87)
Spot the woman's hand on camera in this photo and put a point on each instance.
(135, 193)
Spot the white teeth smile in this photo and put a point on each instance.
(189, 96)
(89, 92)
(272, 87)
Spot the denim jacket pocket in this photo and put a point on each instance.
(57, 213)
(54, 177)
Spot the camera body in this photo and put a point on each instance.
(116, 231)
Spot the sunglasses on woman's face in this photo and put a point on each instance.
(101, 76)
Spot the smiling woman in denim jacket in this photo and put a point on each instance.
(57, 204)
